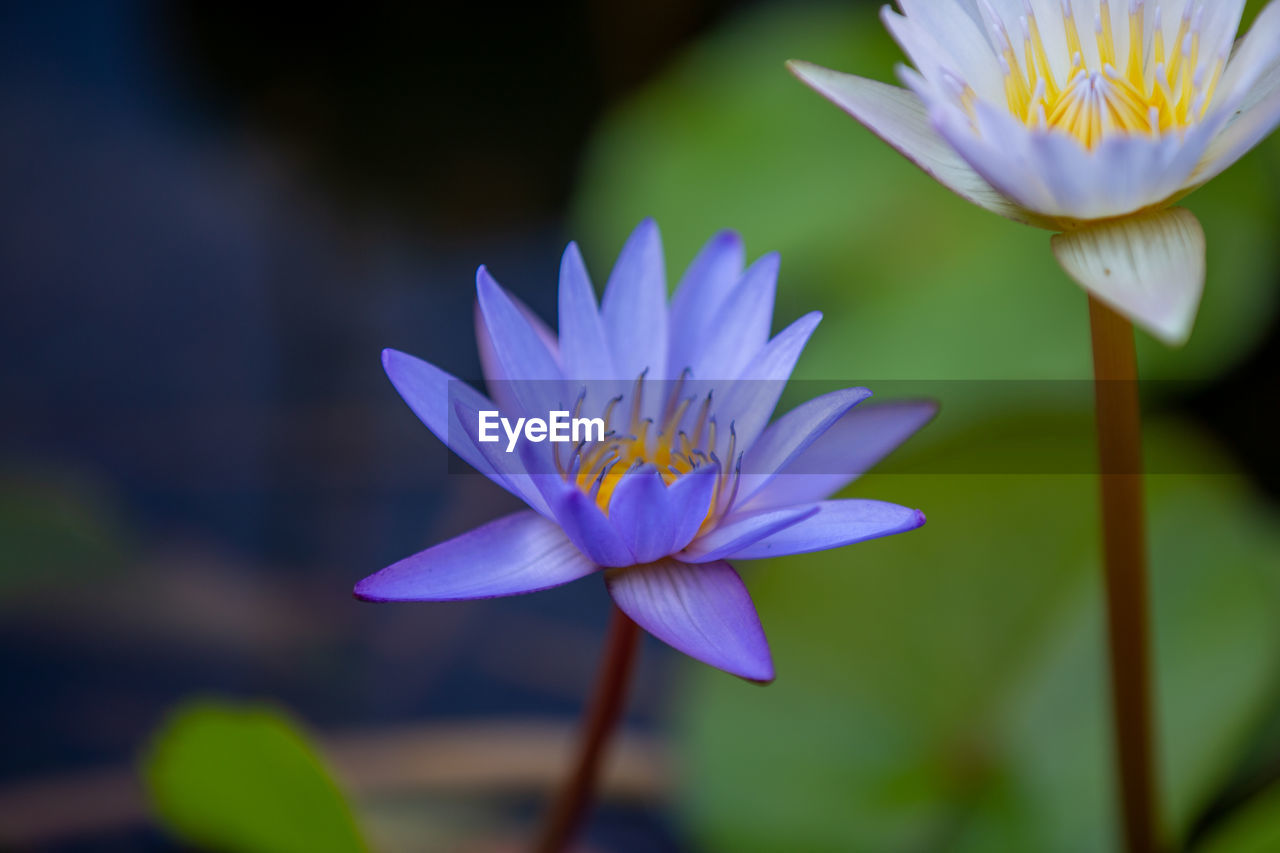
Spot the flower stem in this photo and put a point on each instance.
(1115, 370)
(599, 721)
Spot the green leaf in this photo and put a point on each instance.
(914, 282)
(1254, 829)
(945, 689)
(244, 778)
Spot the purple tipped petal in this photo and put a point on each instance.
(690, 499)
(837, 523)
(749, 402)
(740, 328)
(585, 348)
(634, 307)
(853, 445)
(520, 352)
(432, 395)
(702, 292)
(704, 611)
(492, 370)
(738, 532)
(520, 553)
(641, 512)
(789, 436)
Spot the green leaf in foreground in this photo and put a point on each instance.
(243, 778)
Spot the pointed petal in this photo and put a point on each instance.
(900, 119)
(529, 368)
(584, 347)
(642, 514)
(789, 436)
(701, 293)
(703, 611)
(579, 516)
(1257, 65)
(853, 445)
(738, 532)
(741, 327)
(749, 402)
(1149, 267)
(690, 498)
(489, 365)
(516, 554)
(837, 523)
(508, 468)
(433, 395)
(634, 307)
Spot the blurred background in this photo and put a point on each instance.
(214, 216)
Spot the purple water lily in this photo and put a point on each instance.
(686, 472)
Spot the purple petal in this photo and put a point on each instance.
(703, 290)
(634, 307)
(516, 554)
(790, 435)
(740, 328)
(492, 370)
(522, 357)
(704, 611)
(749, 402)
(852, 446)
(838, 523)
(508, 468)
(690, 499)
(582, 520)
(641, 512)
(738, 532)
(585, 349)
(431, 394)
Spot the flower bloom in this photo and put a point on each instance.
(1085, 117)
(687, 475)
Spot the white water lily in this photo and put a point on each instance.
(1085, 117)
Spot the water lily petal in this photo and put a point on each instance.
(642, 514)
(634, 307)
(1256, 63)
(704, 611)
(901, 119)
(854, 444)
(741, 327)
(509, 470)
(519, 553)
(690, 499)
(837, 523)
(701, 293)
(787, 437)
(529, 368)
(1149, 267)
(586, 352)
(748, 403)
(739, 531)
(433, 394)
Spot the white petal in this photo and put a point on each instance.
(1252, 86)
(1149, 267)
(900, 119)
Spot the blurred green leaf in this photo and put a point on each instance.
(945, 689)
(915, 283)
(1254, 829)
(243, 778)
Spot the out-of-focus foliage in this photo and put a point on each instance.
(915, 282)
(946, 690)
(53, 530)
(240, 778)
(1256, 829)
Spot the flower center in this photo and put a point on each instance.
(670, 445)
(1145, 87)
